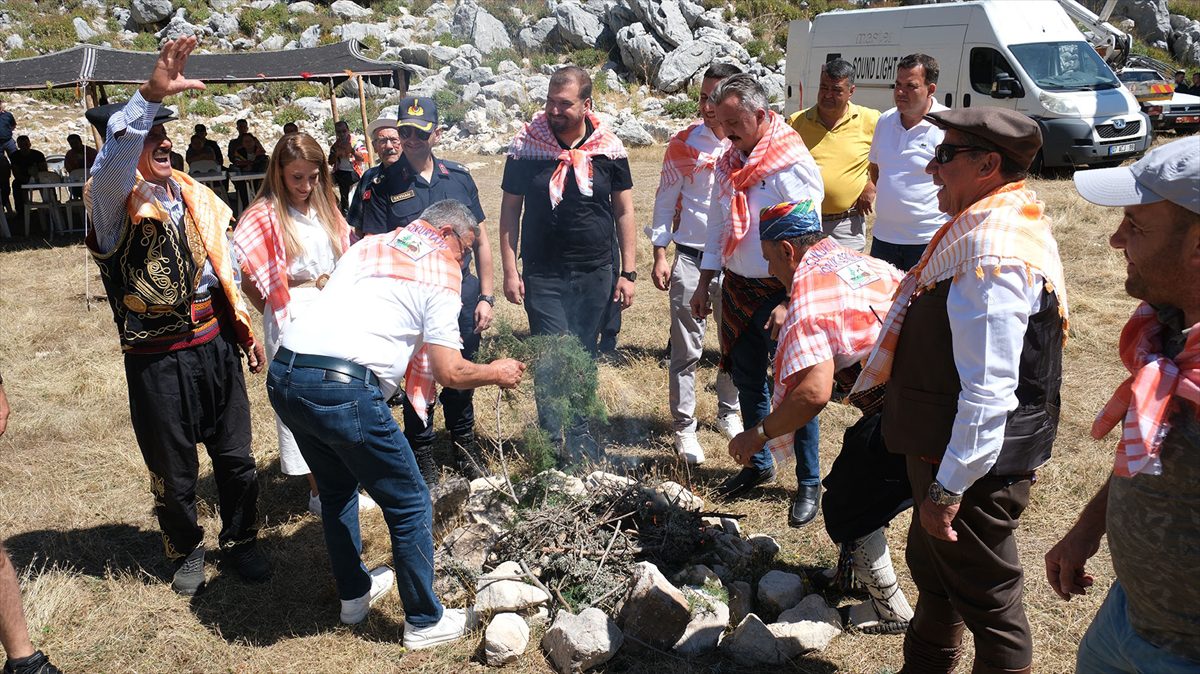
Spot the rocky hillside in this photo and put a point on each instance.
(487, 62)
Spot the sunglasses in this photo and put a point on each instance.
(408, 132)
(945, 153)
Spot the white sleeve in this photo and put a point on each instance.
(664, 212)
(803, 182)
(713, 258)
(440, 321)
(988, 319)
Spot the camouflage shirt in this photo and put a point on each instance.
(1154, 530)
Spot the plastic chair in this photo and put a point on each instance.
(48, 201)
(204, 167)
(74, 198)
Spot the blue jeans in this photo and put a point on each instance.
(348, 437)
(1110, 645)
(748, 365)
(902, 256)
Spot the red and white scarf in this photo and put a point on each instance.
(258, 239)
(779, 148)
(684, 161)
(1144, 402)
(537, 141)
(1007, 228)
(416, 253)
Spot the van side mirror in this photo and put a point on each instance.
(1006, 86)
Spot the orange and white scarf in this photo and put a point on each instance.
(417, 253)
(779, 148)
(212, 217)
(536, 141)
(684, 161)
(1144, 402)
(258, 239)
(1007, 228)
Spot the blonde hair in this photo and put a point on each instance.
(290, 148)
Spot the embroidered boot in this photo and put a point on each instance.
(922, 656)
(887, 611)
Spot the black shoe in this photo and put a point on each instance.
(427, 465)
(805, 505)
(747, 478)
(471, 462)
(249, 562)
(37, 663)
(189, 575)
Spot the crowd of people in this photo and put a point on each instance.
(947, 335)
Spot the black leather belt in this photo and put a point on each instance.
(327, 363)
(689, 251)
(840, 216)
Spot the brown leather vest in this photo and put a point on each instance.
(922, 395)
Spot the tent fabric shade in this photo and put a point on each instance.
(92, 64)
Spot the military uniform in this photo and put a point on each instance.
(395, 196)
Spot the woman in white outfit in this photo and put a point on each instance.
(288, 241)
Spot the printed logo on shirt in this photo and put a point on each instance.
(367, 195)
(403, 195)
(414, 244)
(856, 275)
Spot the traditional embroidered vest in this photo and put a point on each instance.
(150, 277)
(922, 396)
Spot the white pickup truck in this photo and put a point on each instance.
(1166, 108)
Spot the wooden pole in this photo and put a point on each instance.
(362, 110)
(333, 101)
(89, 98)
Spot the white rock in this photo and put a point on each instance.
(577, 643)
(83, 31)
(302, 7)
(14, 41)
(234, 102)
(751, 643)
(779, 591)
(613, 81)
(692, 11)
(556, 482)
(507, 92)
(740, 34)
(506, 638)
(474, 24)
(664, 19)
(348, 9)
(599, 479)
(224, 25)
(809, 626)
(495, 595)
(675, 492)
(475, 122)
(708, 621)
(632, 134)
(355, 30)
(534, 38)
(765, 547)
(655, 612)
(680, 65)
(576, 27)
(273, 43)
(641, 53)
(147, 12)
(311, 37)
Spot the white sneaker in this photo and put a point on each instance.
(689, 448)
(354, 611)
(365, 502)
(453, 626)
(730, 425)
(314, 504)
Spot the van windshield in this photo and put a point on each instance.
(1065, 66)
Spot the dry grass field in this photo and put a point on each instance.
(75, 508)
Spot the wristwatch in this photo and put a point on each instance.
(490, 299)
(630, 276)
(940, 496)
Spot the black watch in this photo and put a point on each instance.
(630, 276)
(490, 299)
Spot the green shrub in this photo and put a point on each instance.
(145, 42)
(273, 19)
(1188, 8)
(447, 97)
(289, 113)
(689, 109)
(51, 33)
(493, 59)
(59, 96)
(589, 58)
(200, 107)
(221, 129)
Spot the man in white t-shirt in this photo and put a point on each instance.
(389, 311)
(681, 207)
(906, 209)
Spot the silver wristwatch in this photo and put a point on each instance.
(939, 495)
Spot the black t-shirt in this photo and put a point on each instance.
(580, 232)
(26, 164)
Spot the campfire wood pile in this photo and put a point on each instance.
(586, 562)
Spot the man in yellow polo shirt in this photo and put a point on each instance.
(838, 134)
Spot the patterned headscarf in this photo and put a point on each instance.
(788, 221)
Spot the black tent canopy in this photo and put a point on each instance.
(91, 64)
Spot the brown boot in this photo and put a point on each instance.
(922, 656)
(982, 668)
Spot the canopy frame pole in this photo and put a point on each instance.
(89, 98)
(362, 110)
(333, 101)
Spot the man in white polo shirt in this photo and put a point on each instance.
(906, 209)
(681, 217)
(389, 310)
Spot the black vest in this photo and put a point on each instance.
(150, 277)
(922, 394)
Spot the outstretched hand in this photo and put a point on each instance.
(167, 78)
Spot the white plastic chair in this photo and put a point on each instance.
(48, 201)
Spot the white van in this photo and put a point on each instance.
(1026, 55)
